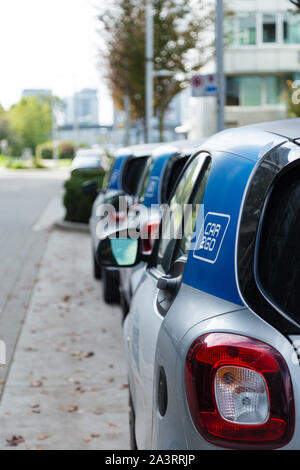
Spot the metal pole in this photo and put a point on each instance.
(149, 70)
(128, 120)
(220, 65)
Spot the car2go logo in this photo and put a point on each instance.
(211, 237)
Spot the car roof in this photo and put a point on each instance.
(289, 128)
(141, 150)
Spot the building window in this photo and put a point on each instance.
(247, 30)
(291, 28)
(273, 89)
(232, 91)
(269, 28)
(254, 90)
(250, 91)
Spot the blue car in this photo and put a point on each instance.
(212, 337)
(123, 179)
(160, 178)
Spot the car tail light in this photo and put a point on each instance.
(149, 234)
(239, 392)
(118, 216)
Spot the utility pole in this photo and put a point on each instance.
(149, 70)
(220, 65)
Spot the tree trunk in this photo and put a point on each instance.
(161, 125)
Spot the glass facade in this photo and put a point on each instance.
(254, 90)
(269, 28)
(291, 28)
(249, 29)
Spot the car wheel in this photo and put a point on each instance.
(133, 445)
(97, 268)
(111, 293)
(124, 306)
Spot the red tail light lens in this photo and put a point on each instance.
(239, 392)
(149, 235)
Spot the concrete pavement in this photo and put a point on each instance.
(64, 386)
(67, 384)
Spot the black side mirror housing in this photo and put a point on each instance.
(90, 188)
(120, 250)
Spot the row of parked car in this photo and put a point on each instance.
(211, 318)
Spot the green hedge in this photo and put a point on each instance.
(78, 205)
(45, 151)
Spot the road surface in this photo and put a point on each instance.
(24, 196)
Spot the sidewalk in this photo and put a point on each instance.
(66, 388)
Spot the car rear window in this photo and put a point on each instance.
(133, 174)
(278, 248)
(175, 171)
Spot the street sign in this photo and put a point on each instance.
(204, 85)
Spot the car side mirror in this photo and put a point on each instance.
(90, 188)
(120, 250)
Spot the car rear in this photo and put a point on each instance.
(229, 349)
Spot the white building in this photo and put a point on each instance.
(262, 52)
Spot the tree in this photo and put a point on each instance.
(31, 119)
(296, 3)
(291, 96)
(181, 47)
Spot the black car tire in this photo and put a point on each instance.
(133, 445)
(110, 282)
(124, 306)
(97, 268)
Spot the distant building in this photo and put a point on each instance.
(87, 134)
(80, 118)
(36, 92)
(262, 52)
(82, 108)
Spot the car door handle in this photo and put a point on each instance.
(170, 284)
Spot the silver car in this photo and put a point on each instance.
(213, 332)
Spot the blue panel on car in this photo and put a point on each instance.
(210, 265)
(153, 188)
(115, 181)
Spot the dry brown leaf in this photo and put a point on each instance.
(36, 383)
(15, 441)
(44, 437)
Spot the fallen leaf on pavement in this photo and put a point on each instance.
(36, 383)
(15, 441)
(113, 426)
(98, 412)
(44, 437)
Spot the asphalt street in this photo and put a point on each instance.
(24, 197)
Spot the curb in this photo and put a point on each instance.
(72, 226)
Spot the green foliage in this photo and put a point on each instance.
(180, 48)
(78, 205)
(293, 107)
(31, 120)
(66, 150)
(20, 164)
(3, 160)
(44, 151)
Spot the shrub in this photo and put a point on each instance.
(66, 150)
(78, 205)
(44, 151)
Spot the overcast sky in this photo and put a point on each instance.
(50, 44)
